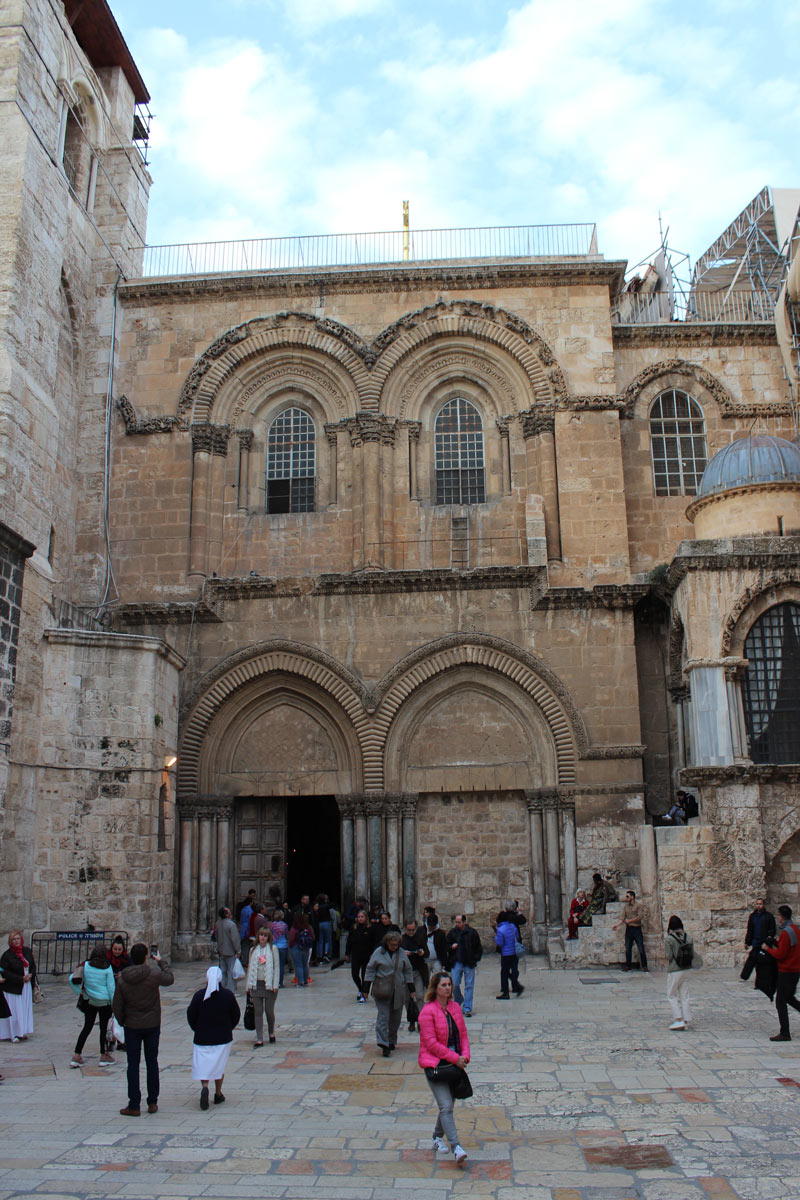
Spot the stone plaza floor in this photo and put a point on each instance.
(581, 1093)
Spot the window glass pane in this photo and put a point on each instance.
(291, 457)
(771, 689)
(458, 454)
(677, 444)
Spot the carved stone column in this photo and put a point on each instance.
(208, 442)
(505, 453)
(538, 429)
(552, 851)
(187, 903)
(413, 429)
(370, 431)
(537, 859)
(333, 463)
(570, 852)
(205, 869)
(391, 815)
(245, 437)
(224, 819)
(360, 820)
(374, 809)
(409, 820)
(346, 812)
(715, 729)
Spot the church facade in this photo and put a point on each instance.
(416, 567)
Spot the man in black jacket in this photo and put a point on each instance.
(760, 928)
(466, 952)
(415, 944)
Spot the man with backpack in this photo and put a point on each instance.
(787, 956)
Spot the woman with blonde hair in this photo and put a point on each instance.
(263, 981)
(443, 1046)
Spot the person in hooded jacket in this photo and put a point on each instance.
(137, 1007)
(506, 941)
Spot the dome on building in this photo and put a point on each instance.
(749, 461)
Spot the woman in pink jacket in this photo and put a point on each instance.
(443, 1039)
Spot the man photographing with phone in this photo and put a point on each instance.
(137, 1007)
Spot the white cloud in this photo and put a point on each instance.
(311, 15)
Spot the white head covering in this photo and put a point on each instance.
(214, 977)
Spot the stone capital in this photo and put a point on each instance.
(210, 439)
(245, 437)
(537, 420)
(369, 427)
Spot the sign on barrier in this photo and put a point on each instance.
(60, 951)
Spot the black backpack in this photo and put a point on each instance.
(684, 954)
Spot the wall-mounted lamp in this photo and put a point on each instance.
(170, 760)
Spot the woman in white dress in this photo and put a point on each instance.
(18, 968)
(213, 1014)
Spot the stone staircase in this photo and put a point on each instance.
(599, 945)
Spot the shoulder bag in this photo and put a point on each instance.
(455, 1077)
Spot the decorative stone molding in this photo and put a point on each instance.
(366, 427)
(347, 807)
(434, 580)
(539, 799)
(605, 595)
(502, 426)
(246, 438)
(751, 596)
(701, 333)
(210, 439)
(414, 429)
(287, 376)
(205, 806)
(678, 366)
(726, 663)
(175, 612)
(611, 789)
(331, 432)
(676, 681)
(766, 554)
(775, 485)
(135, 424)
(536, 420)
(408, 804)
(611, 752)
(744, 772)
(591, 403)
(529, 673)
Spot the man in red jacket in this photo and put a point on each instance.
(787, 956)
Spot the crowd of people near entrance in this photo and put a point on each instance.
(426, 969)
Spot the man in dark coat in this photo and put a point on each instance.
(760, 929)
(137, 1007)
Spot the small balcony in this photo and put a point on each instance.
(743, 307)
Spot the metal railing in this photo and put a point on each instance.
(60, 952)
(371, 249)
(743, 307)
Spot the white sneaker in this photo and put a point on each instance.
(460, 1155)
(439, 1146)
(678, 1025)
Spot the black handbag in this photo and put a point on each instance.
(249, 1015)
(412, 1010)
(455, 1077)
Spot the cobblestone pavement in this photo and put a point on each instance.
(581, 1093)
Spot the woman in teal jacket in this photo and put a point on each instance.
(94, 985)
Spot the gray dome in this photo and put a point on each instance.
(749, 460)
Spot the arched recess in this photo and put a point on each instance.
(250, 343)
(245, 686)
(516, 678)
(257, 383)
(780, 587)
(510, 357)
(783, 870)
(704, 387)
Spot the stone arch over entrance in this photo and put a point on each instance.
(313, 680)
(518, 681)
(783, 875)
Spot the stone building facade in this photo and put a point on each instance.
(396, 557)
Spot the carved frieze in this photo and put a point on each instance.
(369, 427)
(536, 420)
(210, 439)
(288, 372)
(135, 424)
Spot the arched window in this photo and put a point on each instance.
(771, 690)
(458, 436)
(291, 463)
(677, 443)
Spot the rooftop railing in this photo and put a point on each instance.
(739, 307)
(371, 249)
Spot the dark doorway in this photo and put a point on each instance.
(313, 848)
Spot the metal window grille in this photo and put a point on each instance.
(771, 691)
(677, 444)
(458, 437)
(291, 463)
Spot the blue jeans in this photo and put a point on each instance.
(135, 1039)
(300, 957)
(325, 939)
(634, 936)
(461, 971)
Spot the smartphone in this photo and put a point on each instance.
(153, 949)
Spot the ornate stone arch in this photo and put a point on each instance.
(777, 588)
(518, 350)
(336, 690)
(253, 341)
(675, 372)
(562, 718)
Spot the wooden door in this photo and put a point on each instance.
(260, 846)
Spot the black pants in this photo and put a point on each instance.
(633, 933)
(357, 968)
(509, 970)
(135, 1039)
(784, 995)
(104, 1016)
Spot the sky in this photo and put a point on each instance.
(278, 117)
